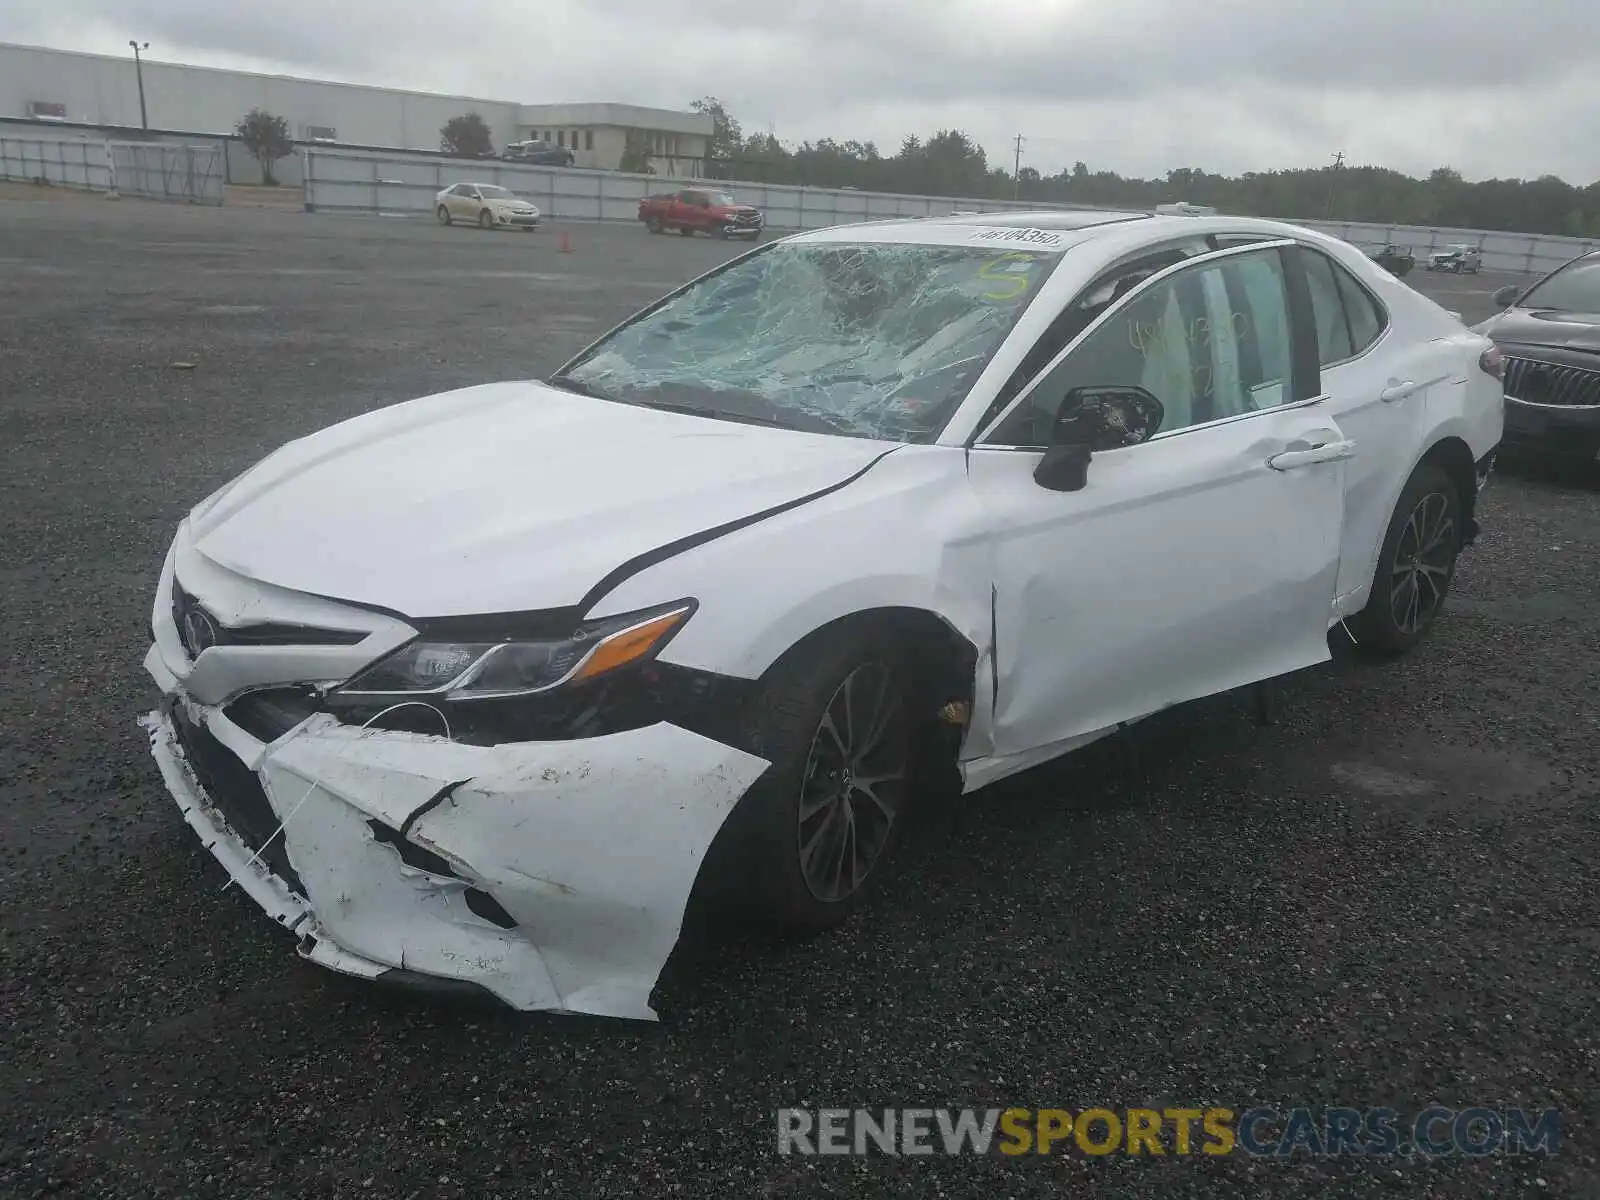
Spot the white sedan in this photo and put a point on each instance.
(486, 205)
(479, 688)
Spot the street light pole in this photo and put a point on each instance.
(138, 70)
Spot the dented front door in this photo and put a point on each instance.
(1186, 567)
(1196, 562)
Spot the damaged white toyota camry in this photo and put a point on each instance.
(479, 688)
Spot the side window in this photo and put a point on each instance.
(1210, 342)
(1077, 317)
(1334, 343)
(1367, 320)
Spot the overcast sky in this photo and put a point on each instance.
(1138, 86)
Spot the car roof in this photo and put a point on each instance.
(1047, 230)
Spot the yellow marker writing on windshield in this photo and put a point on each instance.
(1009, 284)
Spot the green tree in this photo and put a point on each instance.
(266, 137)
(636, 153)
(466, 135)
(727, 139)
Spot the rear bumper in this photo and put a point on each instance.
(553, 875)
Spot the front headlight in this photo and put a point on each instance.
(517, 667)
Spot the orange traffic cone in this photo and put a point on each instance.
(566, 244)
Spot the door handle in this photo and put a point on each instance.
(1398, 390)
(1288, 460)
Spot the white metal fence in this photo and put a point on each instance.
(168, 171)
(394, 184)
(63, 162)
(165, 170)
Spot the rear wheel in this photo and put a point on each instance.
(443, 214)
(486, 219)
(809, 840)
(1415, 566)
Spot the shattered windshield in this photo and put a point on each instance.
(869, 340)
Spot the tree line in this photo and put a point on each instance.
(949, 163)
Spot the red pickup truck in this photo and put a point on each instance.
(703, 210)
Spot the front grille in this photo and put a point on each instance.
(1536, 382)
(199, 630)
(235, 791)
(747, 218)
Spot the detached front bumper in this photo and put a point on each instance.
(553, 875)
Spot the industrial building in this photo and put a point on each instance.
(39, 84)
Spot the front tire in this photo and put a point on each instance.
(1415, 565)
(653, 224)
(443, 214)
(486, 219)
(808, 842)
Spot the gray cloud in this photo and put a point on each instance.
(1140, 86)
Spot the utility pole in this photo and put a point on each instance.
(1333, 181)
(1016, 170)
(138, 70)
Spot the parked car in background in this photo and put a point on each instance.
(539, 153)
(482, 685)
(1458, 258)
(700, 210)
(1397, 260)
(1550, 336)
(486, 205)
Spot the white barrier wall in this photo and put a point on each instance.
(64, 162)
(397, 184)
(377, 182)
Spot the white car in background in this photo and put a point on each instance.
(480, 687)
(1458, 259)
(486, 205)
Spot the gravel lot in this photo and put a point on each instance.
(1387, 898)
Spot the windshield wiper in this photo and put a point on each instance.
(721, 414)
(568, 384)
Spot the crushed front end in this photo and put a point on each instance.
(550, 867)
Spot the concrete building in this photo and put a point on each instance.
(597, 134)
(97, 89)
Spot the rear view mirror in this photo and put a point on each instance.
(1091, 419)
(1507, 296)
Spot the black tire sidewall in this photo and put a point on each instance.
(756, 858)
(1374, 626)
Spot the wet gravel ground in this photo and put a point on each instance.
(1385, 899)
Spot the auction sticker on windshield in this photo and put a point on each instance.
(1029, 237)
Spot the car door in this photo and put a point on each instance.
(1377, 386)
(1193, 563)
(463, 201)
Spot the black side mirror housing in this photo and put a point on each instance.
(1091, 419)
(1507, 296)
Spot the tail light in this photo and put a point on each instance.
(1492, 362)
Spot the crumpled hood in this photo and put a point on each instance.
(1543, 327)
(501, 498)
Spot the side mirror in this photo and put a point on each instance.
(1090, 419)
(1507, 296)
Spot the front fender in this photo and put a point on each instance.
(906, 534)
